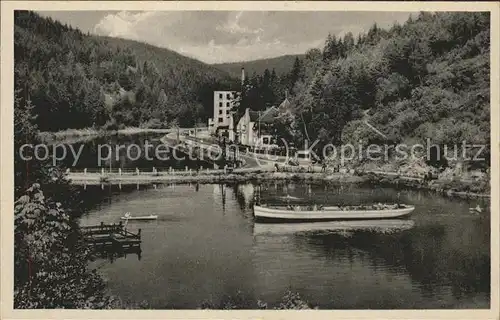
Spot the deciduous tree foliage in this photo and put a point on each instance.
(51, 268)
(50, 257)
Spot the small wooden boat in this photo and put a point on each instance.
(289, 197)
(128, 216)
(476, 210)
(315, 213)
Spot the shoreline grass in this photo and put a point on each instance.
(450, 188)
(74, 135)
(69, 133)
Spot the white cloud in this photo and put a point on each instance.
(152, 27)
(233, 26)
(123, 24)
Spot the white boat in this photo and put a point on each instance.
(128, 216)
(386, 226)
(301, 213)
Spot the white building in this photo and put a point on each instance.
(223, 103)
(222, 120)
(253, 127)
(246, 127)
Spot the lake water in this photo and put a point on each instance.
(205, 247)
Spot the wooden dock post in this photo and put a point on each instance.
(186, 168)
(137, 171)
(102, 171)
(119, 171)
(85, 171)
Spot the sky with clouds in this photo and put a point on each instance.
(228, 36)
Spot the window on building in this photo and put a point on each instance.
(220, 104)
(227, 111)
(221, 120)
(228, 96)
(220, 95)
(228, 104)
(220, 111)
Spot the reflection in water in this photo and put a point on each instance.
(244, 195)
(346, 228)
(112, 255)
(205, 245)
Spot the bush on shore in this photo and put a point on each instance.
(471, 188)
(289, 301)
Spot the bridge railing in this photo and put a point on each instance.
(156, 171)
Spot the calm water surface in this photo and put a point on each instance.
(206, 247)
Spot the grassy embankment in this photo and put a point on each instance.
(455, 187)
(78, 135)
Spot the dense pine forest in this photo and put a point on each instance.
(92, 81)
(427, 78)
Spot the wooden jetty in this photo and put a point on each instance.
(111, 236)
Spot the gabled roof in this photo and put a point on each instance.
(284, 105)
(254, 115)
(268, 115)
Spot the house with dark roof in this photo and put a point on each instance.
(254, 128)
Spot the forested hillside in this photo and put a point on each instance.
(76, 80)
(428, 78)
(281, 65)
